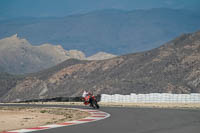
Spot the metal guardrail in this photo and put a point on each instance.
(58, 99)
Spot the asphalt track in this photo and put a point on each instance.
(137, 120)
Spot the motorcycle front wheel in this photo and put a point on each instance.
(95, 104)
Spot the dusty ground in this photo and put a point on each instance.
(12, 118)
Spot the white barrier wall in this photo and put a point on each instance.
(152, 98)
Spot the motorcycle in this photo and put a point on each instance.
(91, 100)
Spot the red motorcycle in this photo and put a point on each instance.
(91, 100)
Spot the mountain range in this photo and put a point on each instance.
(18, 56)
(113, 31)
(66, 7)
(170, 68)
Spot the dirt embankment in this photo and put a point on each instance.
(12, 118)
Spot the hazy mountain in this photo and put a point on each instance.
(19, 56)
(41, 8)
(113, 31)
(171, 68)
(101, 56)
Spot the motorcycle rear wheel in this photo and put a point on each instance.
(95, 104)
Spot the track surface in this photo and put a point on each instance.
(137, 120)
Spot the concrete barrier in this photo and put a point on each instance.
(152, 98)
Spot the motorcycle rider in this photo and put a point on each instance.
(90, 99)
(87, 95)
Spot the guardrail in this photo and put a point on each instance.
(58, 99)
(152, 98)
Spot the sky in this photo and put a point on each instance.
(58, 8)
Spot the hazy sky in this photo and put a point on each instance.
(46, 8)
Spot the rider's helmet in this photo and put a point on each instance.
(89, 93)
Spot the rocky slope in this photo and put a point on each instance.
(7, 82)
(172, 68)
